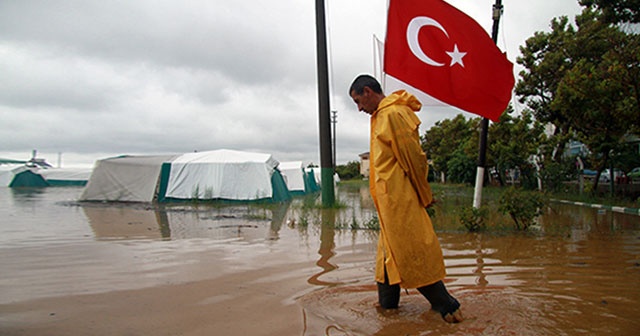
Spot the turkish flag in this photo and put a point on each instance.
(441, 51)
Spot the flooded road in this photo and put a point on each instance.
(577, 272)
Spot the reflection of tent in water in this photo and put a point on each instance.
(15, 176)
(126, 223)
(250, 223)
(299, 181)
(220, 174)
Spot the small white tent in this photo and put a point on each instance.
(125, 178)
(293, 173)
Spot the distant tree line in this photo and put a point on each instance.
(349, 171)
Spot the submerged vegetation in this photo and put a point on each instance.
(503, 209)
(522, 206)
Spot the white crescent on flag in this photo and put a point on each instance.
(412, 37)
(391, 84)
(414, 45)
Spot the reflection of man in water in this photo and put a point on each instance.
(409, 254)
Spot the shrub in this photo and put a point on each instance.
(473, 218)
(522, 206)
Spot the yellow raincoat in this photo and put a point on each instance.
(408, 245)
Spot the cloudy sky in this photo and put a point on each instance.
(94, 79)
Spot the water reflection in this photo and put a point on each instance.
(127, 223)
(24, 194)
(241, 222)
(327, 245)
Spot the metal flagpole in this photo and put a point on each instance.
(326, 159)
(484, 124)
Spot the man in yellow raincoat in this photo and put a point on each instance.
(409, 255)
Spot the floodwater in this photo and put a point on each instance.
(576, 273)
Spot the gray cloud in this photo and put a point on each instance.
(95, 78)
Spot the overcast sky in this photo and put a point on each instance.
(94, 79)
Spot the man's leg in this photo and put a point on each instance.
(442, 301)
(388, 295)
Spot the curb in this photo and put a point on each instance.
(631, 211)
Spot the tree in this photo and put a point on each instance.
(514, 141)
(546, 57)
(453, 145)
(601, 90)
(585, 80)
(442, 140)
(349, 171)
(616, 11)
(462, 166)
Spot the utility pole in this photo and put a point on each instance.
(484, 124)
(326, 159)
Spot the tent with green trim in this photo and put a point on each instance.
(19, 175)
(299, 180)
(222, 174)
(125, 178)
(294, 175)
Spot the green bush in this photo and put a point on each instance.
(473, 218)
(522, 206)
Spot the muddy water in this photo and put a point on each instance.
(577, 272)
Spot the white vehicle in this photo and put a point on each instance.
(606, 174)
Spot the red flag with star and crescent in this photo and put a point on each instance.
(439, 50)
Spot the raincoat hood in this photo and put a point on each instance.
(400, 97)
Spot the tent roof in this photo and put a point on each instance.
(225, 156)
(290, 165)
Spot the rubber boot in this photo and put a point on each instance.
(442, 302)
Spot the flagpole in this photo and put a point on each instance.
(326, 158)
(484, 124)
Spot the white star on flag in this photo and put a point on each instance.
(456, 56)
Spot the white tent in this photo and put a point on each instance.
(125, 178)
(293, 173)
(221, 174)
